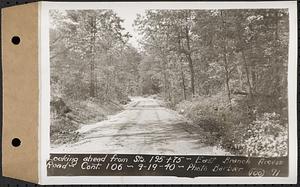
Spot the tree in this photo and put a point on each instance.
(167, 31)
(86, 37)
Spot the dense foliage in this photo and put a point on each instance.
(224, 70)
(92, 68)
(266, 137)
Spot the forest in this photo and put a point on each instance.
(223, 70)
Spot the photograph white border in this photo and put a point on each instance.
(44, 66)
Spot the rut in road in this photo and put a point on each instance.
(144, 127)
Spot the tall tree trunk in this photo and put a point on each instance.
(183, 85)
(181, 68)
(190, 61)
(165, 84)
(245, 63)
(92, 55)
(182, 80)
(107, 85)
(227, 76)
(225, 60)
(191, 67)
(253, 76)
(247, 75)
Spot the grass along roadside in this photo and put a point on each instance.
(67, 116)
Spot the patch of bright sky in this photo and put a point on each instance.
(129, 15)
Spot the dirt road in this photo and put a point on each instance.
(144, 127)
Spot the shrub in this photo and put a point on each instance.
(214, 115)
(266, 136)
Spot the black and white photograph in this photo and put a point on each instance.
(170, 82)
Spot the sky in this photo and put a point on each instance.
(129, 17)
